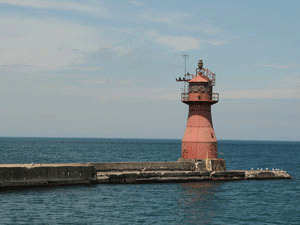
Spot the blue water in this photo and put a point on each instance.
(239, 202)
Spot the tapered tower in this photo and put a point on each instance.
(199, 140)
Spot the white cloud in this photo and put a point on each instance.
(122, 93)
(215, 42)
(286, 87)
(107, 81)
(176, 20)
(87, 7)
(50, 43)
(98, 89)
(45, 43)
(181, 43)
(291, 81)
(167, 18)
(265, 93)
(201, 28)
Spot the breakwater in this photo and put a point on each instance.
(26, 175)
(30, 175)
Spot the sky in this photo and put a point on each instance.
(107, 69)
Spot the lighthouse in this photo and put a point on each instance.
(199, 141)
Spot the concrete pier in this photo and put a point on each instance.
(31, 175)
(191, 171)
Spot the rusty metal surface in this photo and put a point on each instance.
(199, 140)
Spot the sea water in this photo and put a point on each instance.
(236, 202)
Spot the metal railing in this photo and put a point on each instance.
(207, 73)
(204, 72)
(214, 97)
(184, 96)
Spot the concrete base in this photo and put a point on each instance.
(32, 175)
(207, 164)
(136, 177)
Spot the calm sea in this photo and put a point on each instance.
(239, 202)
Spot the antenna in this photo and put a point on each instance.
(185, 56)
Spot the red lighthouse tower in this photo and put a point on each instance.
(199, 141)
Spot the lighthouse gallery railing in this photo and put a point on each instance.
(214, 97)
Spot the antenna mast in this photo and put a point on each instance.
(185, 56)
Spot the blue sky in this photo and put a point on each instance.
(108, 68)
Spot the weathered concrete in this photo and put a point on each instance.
(151, 176)
(185, 176)
(28, 175)
(144, 166)
(208, 164)
(228, 175)
(22, 175)
(217, 164)
(266, 174)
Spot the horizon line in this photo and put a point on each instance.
(137, 138)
